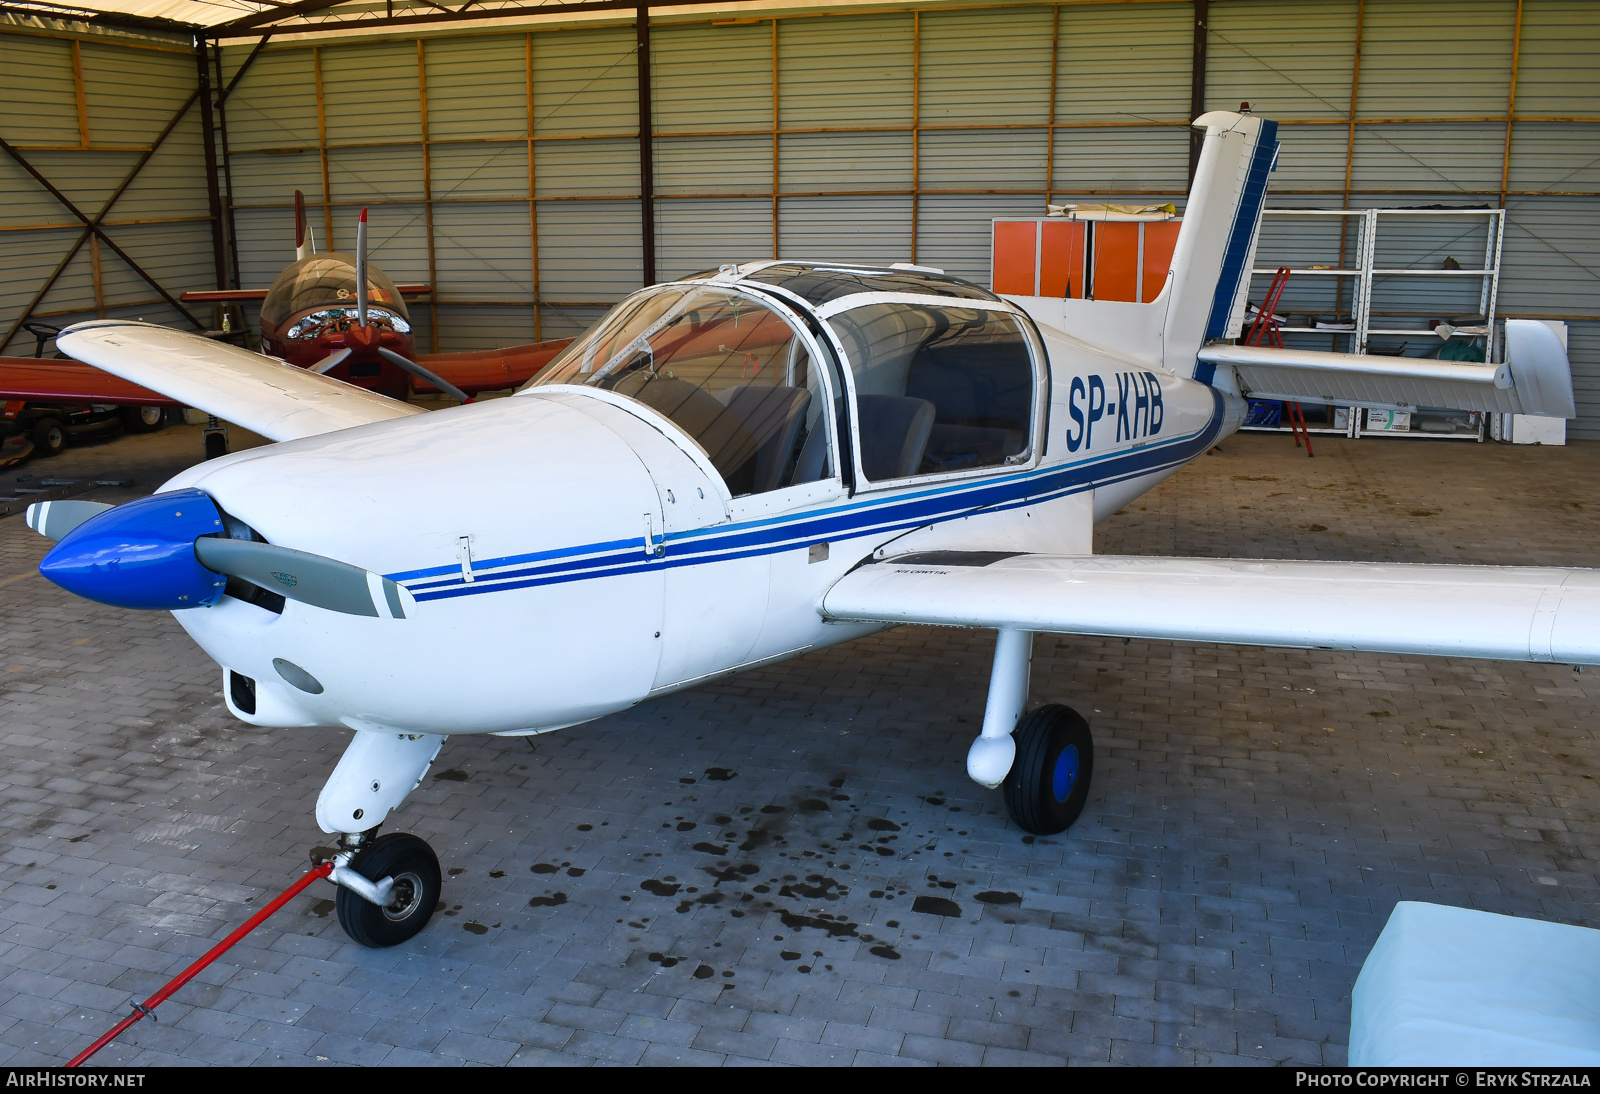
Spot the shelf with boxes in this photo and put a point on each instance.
(1386, 281)
(1379, 281)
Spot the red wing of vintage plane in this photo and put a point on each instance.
(314, 317)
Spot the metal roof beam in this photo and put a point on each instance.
(443, 15)
(95, 17)
(284, 11)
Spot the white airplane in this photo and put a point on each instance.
(744, 465)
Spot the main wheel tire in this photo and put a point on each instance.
(216, 445)
(142, 419)
(49, 437)
(1049, 780)
(415, 869)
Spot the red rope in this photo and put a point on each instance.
(150, 1004)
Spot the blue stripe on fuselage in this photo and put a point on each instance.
(702, 546)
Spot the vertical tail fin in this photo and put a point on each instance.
(1217, 244)
(302, 246)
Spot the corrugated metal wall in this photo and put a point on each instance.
(83, 112)
(503, 165)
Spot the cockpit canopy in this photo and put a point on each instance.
(327, 282)
(943, 375)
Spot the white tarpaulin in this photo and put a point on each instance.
(1454, 987)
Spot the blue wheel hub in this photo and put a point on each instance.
(1065, 775)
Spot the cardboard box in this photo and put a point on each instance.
(1388, 421)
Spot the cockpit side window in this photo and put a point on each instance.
(727, 369)
(937, 388)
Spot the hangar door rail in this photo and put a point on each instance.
(1402, 289)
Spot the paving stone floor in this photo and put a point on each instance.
(729, 875)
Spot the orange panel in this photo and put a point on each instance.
(1116, 260)
(1014, 254)
(1061, 259)
(1160, 237)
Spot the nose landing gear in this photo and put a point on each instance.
(388, 885)
(407, 885)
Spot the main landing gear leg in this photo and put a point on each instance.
(991, 755)
(1044, 759)
(388, 885)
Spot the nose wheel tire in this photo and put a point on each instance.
(415, 869)
(1049, 780)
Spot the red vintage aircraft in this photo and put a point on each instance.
(314, 317)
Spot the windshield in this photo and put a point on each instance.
(937, 388)
(327, 281)
(728, 370)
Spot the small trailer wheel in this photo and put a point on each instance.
(142, 419)
(49, 437)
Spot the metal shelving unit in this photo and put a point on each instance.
(1358, 333)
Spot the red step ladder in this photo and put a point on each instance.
(1264, 331)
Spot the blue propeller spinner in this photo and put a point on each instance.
(141, 554)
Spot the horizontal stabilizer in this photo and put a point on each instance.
(1508, 613)
(1536, 378)
(263, 394)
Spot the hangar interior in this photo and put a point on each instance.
(504, 164)
(1259, 811)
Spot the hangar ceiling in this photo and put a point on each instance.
(228, 18)
(503, 163)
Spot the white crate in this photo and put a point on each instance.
(1529, 429)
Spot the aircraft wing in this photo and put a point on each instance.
(263, 394)
(53, 380)
(240, 296)
(1535, 378)
(1510, 613)
(222, 296)
(489, 369)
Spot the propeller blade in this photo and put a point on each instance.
(361, 268)
(423, 374)
(300, 248)
(311, 579)
(54, 519)
(329, 361)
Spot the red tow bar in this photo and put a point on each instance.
(150, 1004)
